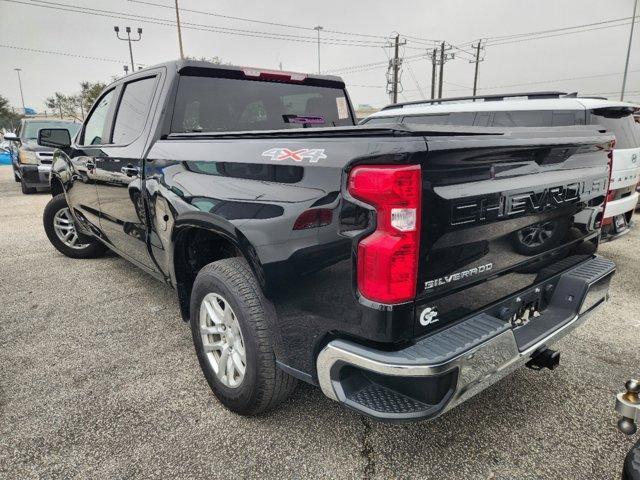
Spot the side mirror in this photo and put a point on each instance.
(11, 137)
(54, 137)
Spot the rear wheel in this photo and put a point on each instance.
(60, 228)
(233, 340)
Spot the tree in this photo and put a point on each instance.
(8, 118)
(60, 103)
(216, 60)
(89, 92)
(75, 106)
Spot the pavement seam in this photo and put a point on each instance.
(366, 451)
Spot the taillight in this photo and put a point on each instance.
(318, 217)
(387, 262)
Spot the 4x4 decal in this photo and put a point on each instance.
(279, 154)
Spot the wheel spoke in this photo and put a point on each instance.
(222, 363)
(237, 363)
(230, 369)
(213, 312)
(228, 315)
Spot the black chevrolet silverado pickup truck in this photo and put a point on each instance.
(402, 269)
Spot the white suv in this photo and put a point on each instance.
(543, 109)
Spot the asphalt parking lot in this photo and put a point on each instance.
(98, 378)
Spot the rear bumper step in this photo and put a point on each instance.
(445, 369)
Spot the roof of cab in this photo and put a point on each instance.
(179, 66)
(572, 103)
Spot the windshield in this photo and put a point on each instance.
(30, 131)
(208, 104)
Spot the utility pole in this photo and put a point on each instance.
(24, 110)
(477, 61)
(443, 58)
(317, 29)
(434, 72)
(626, 65)
(394, 66)
(179, 31)
(129, 39)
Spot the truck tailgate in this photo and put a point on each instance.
(508, 213)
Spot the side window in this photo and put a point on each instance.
(482, 119)
(526, 118)
(565, 117)
(133, 110)
(94, 128)
(462, 118)
(380, 120)
(442, 119)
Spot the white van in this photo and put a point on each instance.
(543, 109)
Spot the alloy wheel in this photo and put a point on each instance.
(65, 229)
(222, 340)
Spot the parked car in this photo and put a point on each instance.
(32, 163)
(543, 109)
(381, 263)
(6, 156)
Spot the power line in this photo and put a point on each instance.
(66, 54)
(262, 22)
(558, 80)
(553, 30)
(557, 34)
(189, 25)
(525, 37)
(415, 80)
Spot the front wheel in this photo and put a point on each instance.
(25, 189)
(233, 339)
(60, 228)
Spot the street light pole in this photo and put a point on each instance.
(129, 39)
(626, 65)
(179, 31)
(318, 28)
(24, 110)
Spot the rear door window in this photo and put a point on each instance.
(133, 110)
(619, 122)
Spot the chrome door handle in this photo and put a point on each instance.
(130, 170)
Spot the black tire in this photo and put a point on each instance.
(16, 177)
(264, 385)
(631, 469)
(94, 248)
(27, 190)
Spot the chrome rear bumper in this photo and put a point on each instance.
(452, 365)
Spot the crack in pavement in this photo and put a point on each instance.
(367, 450)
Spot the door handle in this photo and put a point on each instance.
(130, 170)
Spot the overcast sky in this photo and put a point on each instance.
(544, 64)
